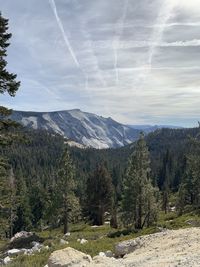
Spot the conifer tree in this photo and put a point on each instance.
(99, 195)
(138, 203)
(189, 191)
(8, 84)
(24, 215)
(66, 198)
(8, 201)
(8, 81)
(4, 198)
(13, 202)
(166, 175)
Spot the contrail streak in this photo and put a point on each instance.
(147, 44)
(163, 17)
(159, 68)
(117, 39)
(157, 36)
(191, 24)
(60, 25)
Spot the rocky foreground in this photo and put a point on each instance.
(169, 248)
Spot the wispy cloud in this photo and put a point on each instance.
(119, 30)
(91, 55)
(60, 25)
(157, 36)
(144, 44)
(136, 61)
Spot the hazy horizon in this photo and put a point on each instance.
(128, 124)
(137, 62)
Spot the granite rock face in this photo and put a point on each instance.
(168, 248)
(83, 128)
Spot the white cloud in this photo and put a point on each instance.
(136, 62)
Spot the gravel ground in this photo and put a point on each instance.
(167, 249)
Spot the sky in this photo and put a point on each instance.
(137, 61)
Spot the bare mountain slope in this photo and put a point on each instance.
(85, 128)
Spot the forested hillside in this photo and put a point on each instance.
(36, 163)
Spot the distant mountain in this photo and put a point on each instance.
(81, 127)
(151, 128)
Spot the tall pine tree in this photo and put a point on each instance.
(8, 84)
(189, 191)
(66, 200)
(99, 195)
(138, 203)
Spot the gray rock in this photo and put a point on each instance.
(68, 257)
(83, 241)
(7, 260)
(109, 254)
(102, 254)
(24, 240)
(36, 246)
(63, 242)
(15, 251)
(193, 222)
(67, 234)
(126, 247)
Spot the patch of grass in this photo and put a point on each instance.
(36, 260)
(97, 241)
(99, 238)
(2, 244)
(172, 221)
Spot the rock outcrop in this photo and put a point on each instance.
(68, 257)
(164, 249)
(23, 239)
(169, 249)
(22, 243)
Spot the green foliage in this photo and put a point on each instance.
(8, 202)
(138, 203)
(172, 220)
(99, 195)
(7, 80)
(100, 238)
(65, 199)
(9, 85)
(189, 191)
(36, 162)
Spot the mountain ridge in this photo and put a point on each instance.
(85, 128)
